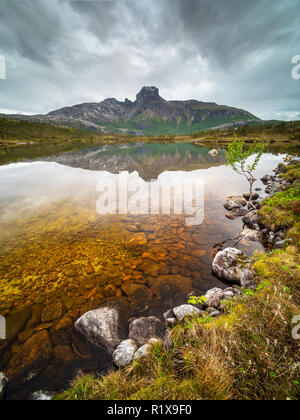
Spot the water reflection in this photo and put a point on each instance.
(57, 251)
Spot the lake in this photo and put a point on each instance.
(61, 256)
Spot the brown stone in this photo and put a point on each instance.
(172, 283)
(136, 291)
(63, 353)
(64, 324)
(30, 360)
(137, 240)
(110, 290)
(52, 311)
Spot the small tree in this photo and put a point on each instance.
(237, 159)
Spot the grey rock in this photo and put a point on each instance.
(3, 382)
(183, 311)
(235, 202)
(142, 329)
(266, 178)
(214, 297)
(123, 355)
(232, 265)
(280, 244)
(142, 351)
(170, 322)
(41, 396)
(255, 196)
(271, 237)
(249, 235)
(215, 314)
(106, 326)
(169, 314)
(251, 218)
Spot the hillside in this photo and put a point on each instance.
(149, 114)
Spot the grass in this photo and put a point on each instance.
(282, 210)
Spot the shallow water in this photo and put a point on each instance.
(56, 247)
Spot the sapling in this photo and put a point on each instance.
(237, 157)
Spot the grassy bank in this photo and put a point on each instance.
(248, 353)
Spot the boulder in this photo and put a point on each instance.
(232, 265)
(233, 214)
(142, 329)
(251, 218)
(137, 291)
(30, 359)
(106, 326)
(249, 235)
(3, 381)
(255, 196)
(183, 311)
(235, 202)
(214, 297)
(123, 355)
(172, 284)
(142, 351)
(138, 240)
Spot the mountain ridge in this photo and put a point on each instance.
(149, 114)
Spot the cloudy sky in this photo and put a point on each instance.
(233, 52)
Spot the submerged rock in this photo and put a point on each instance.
(142, 329)
(52, 311)
(172, 284)
(123, 355)
(137, 240)
(232, 265)
(106, 326)
(30, 360)
(183, 311)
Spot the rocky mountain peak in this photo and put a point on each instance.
(147, 95)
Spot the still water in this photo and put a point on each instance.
(60, 258)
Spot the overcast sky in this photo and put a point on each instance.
(233, 52)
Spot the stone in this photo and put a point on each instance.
(64, 324)
(110, 290)
(184, 311)
(142, 351)
(280, 244)
(25, 335)
(63, 353)
(233, 214)
(168, 314)
(15, 323)
(170, 322)
(215, 314)
(138, 240)
(106, 326)
(172, 284)
(214, 297)
(234, 266)
(41, 396)
(234, 202)
(123, 355)
(142, 329)
(251, 218)
(266, 178)
(249, 235)
(137, 291)
(52, 311)
(146, 227)
(3, 382)
(213, 152)
(30, 360)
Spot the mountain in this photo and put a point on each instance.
(149, 114)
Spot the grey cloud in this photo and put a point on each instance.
(62, 52)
